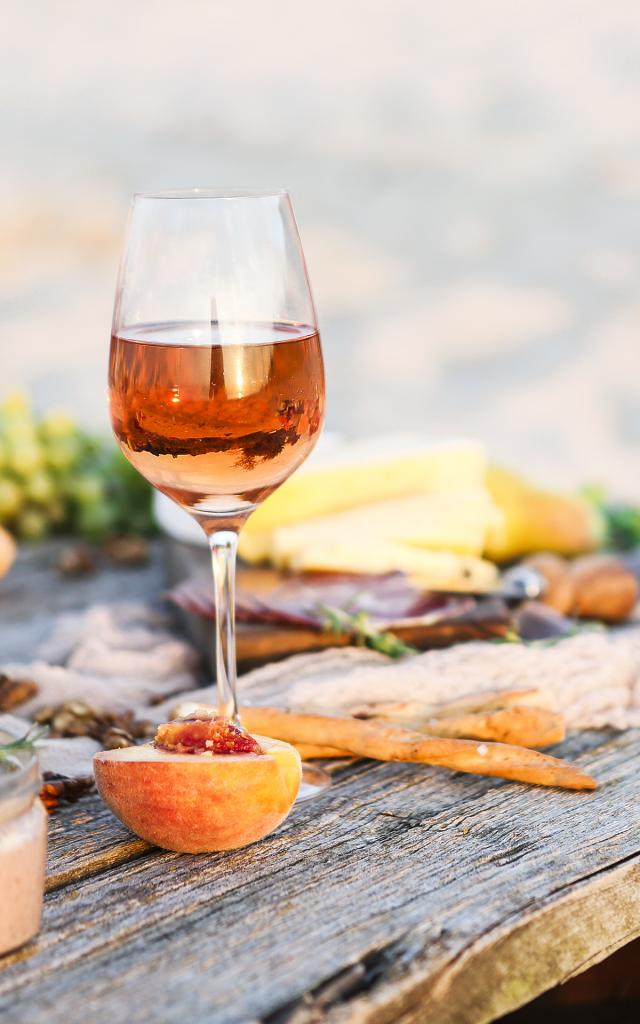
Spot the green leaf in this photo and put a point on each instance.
(28, 742)
(360, 627)
(622, 521)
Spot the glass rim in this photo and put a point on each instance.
(213, 193)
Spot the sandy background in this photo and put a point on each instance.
(466, 177)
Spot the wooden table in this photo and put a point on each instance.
(402, 894)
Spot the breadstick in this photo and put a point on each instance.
(519, 726)
(309, 751)
(522, 726)
(384, 742)
(418, 711)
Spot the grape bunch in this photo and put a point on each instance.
(56, 478)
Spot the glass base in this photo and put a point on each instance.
(314, 781)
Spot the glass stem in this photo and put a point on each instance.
(224, 544)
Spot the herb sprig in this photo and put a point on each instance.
(360, 627)
(28, 742)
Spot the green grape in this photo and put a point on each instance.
(87, 490)
(57, 511)
(40, 487)
(62, 455)
(138, 521)
(24, 458)
(61, 477)
(57, 426)
(95, 521)
(10, 498)
(32, 524)
(92, 447)
(16, 423)
(15, 406)
(65, 483)
(18, 432)
(131, 495)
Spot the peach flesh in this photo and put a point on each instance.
(199, 803)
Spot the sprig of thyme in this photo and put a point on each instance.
(360, 627)
(28, 742)
(510, 636)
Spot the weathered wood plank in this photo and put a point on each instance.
(404, 894)
(34, 592)
(413, 880)
(512, 964)
(84, 839)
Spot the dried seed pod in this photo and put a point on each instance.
(77, 560)
(61, 721)
(78, 727)
(79, 709)
(128, 550)
(58, 788)
(119, 731)
(76, 718)
(44, 715)
(115, 739)
(142, 729)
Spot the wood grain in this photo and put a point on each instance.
(84, 839)
(34, 592)
(408, 873)
(404, 893)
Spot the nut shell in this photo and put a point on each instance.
(605, 588)
(559, 585)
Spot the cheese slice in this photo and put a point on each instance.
(368, 472)
(446, 521)
(437, 570)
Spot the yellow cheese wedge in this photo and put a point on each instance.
(533, 519)
(362, 474)
(455, 521)
(438, 570)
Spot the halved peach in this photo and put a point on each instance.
(198, 803)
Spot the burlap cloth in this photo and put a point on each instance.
(124, 657)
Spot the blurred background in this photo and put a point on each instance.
(466, 178)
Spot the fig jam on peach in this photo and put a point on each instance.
(202, 734)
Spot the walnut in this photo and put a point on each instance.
(604, 587)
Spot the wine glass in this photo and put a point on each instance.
(216, 379)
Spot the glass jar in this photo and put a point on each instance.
(23, 848)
